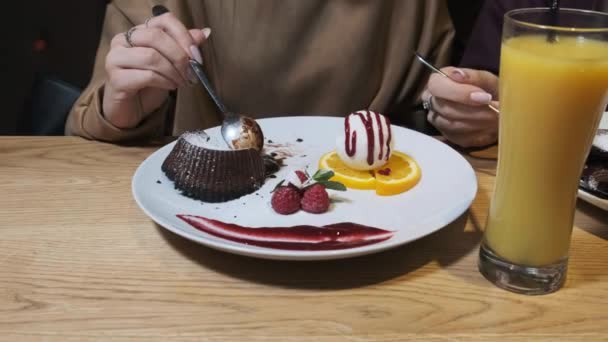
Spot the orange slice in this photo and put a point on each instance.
(400, 174)
(354, 179)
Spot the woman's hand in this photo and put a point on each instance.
(155, 64)
(459, 106)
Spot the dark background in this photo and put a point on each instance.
(57, 39)
(45, 38)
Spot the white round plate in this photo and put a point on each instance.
(446, 190)
(588, 197)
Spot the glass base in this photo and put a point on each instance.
(521, 279)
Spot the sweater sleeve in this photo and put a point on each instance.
(86, 118)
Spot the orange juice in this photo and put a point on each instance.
(551, 99)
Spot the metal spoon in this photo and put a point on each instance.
(435, 69)
(238, 131)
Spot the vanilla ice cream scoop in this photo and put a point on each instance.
(367, 140)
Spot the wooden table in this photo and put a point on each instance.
(80, 261)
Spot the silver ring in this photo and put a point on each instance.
(147, 22)
(128, 35)
(428, 104)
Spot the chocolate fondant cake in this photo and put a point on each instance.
(203, 171)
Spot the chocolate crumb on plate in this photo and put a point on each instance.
(300, 140)
(271, 164)
(594, 179)
(159, 182)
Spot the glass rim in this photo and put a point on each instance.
(509, 17)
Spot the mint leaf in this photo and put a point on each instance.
(323, 176)
(333, 185)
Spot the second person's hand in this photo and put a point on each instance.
(143, 70)
(459, 106)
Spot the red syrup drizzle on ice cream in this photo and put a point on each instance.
(390, 137)
(304, 238)
(367, 122)
(380, 136)
(350, 142)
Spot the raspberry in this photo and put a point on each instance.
(315, 199)
(302, 176)
(296, 179)
(286, 200)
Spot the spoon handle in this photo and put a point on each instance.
(435, 69)
(200, 74)
(196, 67)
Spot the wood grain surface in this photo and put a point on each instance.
(80, 261)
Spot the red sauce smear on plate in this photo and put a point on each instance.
(302, 238)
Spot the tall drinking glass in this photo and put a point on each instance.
(553, 90)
